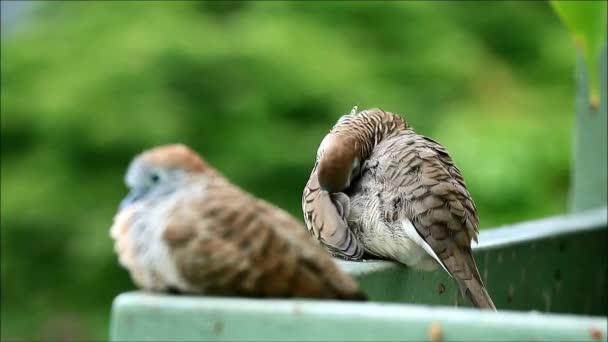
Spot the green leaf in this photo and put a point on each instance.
(586, 21)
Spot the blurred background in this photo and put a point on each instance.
(252, 86)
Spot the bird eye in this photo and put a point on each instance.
(155, 178)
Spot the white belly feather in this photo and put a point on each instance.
(397, 240)
(143, 251)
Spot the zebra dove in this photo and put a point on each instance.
(378, 188)
(185, 228)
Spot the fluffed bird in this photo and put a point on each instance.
(378, 188)
(184, 228)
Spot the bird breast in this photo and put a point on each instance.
(378, 214)
(393, 240)
(138, 234)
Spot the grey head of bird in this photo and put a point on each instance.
(160, 171)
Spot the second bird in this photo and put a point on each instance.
(186, 228)
(380, 188)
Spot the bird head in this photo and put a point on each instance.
(338, 162)
(159, 171)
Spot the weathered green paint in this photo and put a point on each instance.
(146, 317)
(552, 265)
(590, 155)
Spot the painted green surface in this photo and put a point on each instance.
(590, 155)
(555, 265)
(145, 317)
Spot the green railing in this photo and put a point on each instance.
(547, 277)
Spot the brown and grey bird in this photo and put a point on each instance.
(378, 188)
(185, 228)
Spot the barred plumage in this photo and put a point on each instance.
(379, 188)
(192, 231)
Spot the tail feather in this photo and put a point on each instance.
(472, 287)
(477, 294)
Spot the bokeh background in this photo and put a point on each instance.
(252, 86)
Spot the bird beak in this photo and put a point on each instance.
(133, 196)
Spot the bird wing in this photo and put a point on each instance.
(227, 242)
(325, 217)
(430, 191)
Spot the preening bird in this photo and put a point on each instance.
(378, 187)
(185, 228)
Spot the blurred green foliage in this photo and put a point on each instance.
(586, 21)
(253, 86)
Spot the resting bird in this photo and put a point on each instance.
(184, 228)
(379, 188)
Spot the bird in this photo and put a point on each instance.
(378, 189)
(184, 228)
